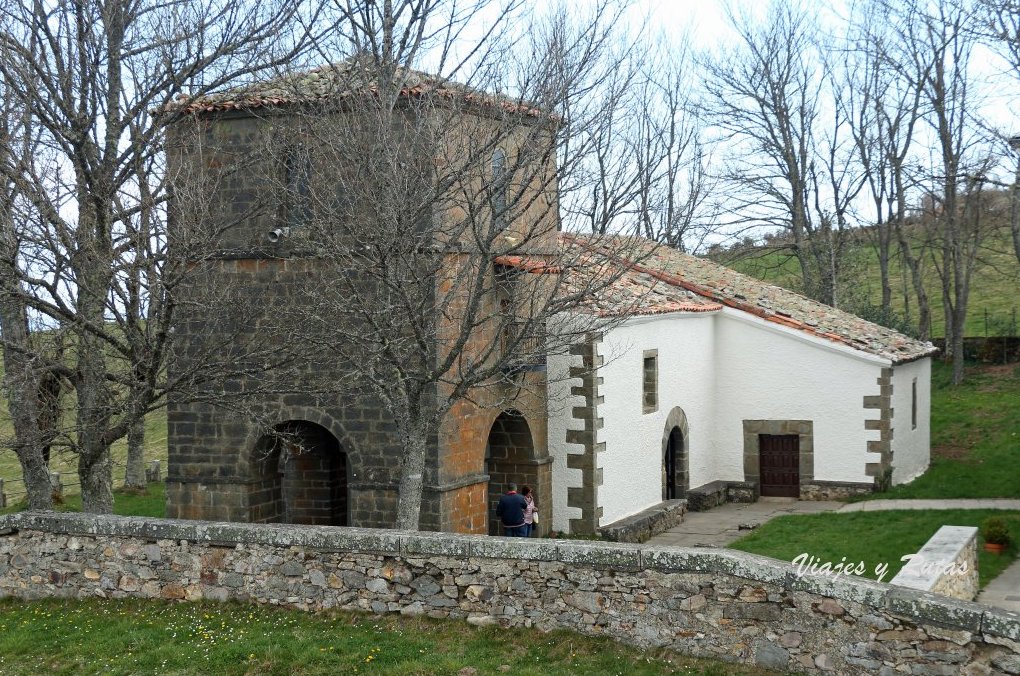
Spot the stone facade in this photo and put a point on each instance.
(881, 470)
(225, 461)
(715, 603)
(585, 497)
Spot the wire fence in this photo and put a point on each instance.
(11, 494)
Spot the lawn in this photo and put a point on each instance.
(150, 637)
(873, 537)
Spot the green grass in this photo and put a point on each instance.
(150, 637)
(873, 537)
(995, 286)
(975, 443)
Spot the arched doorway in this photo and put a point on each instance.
(675, 456)
(304, 475)
(674, 459)
(509, 458)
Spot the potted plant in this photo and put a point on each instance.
(996, 534)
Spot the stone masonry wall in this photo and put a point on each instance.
(716, 603)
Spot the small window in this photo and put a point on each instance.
(499, 187)
(913, 405)
(650, 378)
(298, 167)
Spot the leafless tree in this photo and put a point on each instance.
(938, 40)
(767, 96)
(884, 109)
(999, 25)
(88, 193)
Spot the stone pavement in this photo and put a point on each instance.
(723, 524)
(1003, 591)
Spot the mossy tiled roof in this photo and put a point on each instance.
(650, 266)
(336, 82)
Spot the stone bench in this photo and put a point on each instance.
(715, 493)
(643, 525)
(947, 564)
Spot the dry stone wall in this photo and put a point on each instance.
(707, 602)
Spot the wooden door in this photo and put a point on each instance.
(779, 458)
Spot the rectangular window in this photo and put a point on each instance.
(650, 381)
(913, 405)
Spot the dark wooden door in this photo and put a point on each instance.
(779, 457)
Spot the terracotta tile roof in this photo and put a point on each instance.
(635, 291)
(775, 304)
(342, 80)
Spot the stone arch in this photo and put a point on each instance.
(676, 480)
(509, 458)
(300, 473)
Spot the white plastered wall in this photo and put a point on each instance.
(768, 372)
(910, 444)
(632, 461)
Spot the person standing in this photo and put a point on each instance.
(530, 511)
(510, 510)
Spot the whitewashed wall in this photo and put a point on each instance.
(767, 372)
(632, 461)
(910, 445)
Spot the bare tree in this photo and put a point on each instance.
(884, 109)
(89, 75)
(938, 41)
(999, 25)
(766, 96)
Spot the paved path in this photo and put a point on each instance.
(726, 523)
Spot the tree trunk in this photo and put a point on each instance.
(20, 379)
(412, 476)
(95, 472)
(134, 471)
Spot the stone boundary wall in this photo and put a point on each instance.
(947, 564)
(708, 602)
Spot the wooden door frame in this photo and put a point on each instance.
(804, 429)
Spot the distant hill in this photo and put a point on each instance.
(994, 307)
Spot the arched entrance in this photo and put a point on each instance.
(509, 458)
(305, 476)
(675, 458)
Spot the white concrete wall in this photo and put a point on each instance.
(632, 461)
(911, 445)
(767, 372)
(560, 402)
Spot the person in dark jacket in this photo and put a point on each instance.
(510, 511)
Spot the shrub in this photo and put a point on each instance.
(995, 531)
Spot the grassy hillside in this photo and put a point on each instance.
(995, 287)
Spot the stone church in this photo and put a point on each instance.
(706, 385)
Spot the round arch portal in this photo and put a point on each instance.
(675, 456)
(304, 476)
